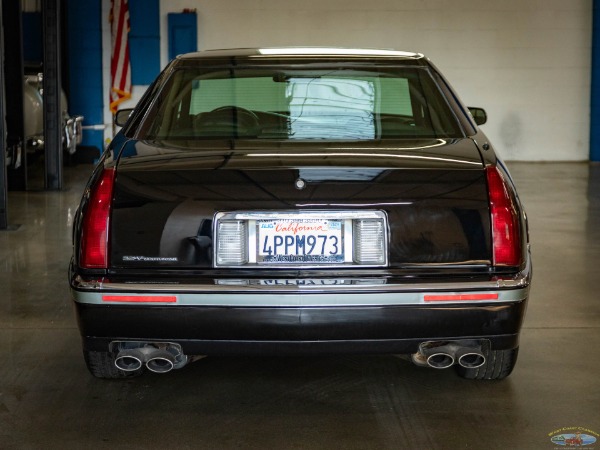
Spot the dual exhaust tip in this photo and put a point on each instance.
(442, 355)
(158, 358)
(164, 357)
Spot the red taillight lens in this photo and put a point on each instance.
(506, 233)
(94, 239)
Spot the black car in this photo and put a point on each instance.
(300, 201)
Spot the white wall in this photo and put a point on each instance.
(527, 62)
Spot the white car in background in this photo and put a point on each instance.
(33, 111)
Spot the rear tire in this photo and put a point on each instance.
(102, 365)
(498, 365)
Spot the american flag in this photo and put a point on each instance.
(120, 67)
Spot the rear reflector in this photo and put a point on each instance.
(459, 297)
(94, 239)
(369, 241)
(140, 298)
(506, 233)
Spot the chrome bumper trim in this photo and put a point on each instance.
(293, 295)
(246, 287)
(357, 285)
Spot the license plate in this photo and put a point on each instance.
(300, 241)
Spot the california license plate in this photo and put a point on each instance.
(300, 241)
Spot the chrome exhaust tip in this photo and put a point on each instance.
(444, 354)
(470, 358)
(160, 361)
(158, 357)
(440, 360)
(438, 355)
(129, 360)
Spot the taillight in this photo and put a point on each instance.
(94, 238)
(506, 233)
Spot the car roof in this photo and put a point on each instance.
(311, 53)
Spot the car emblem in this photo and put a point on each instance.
(300, 184)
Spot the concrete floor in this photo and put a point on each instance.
(48, 399)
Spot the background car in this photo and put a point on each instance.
(300, 201)
(33, 110)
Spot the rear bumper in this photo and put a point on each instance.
(300, 319)
(284, 330)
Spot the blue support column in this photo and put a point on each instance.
(595, 95)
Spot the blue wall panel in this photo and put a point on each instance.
(84, 29)
(144, 40)
(183, 33)
(84, 48)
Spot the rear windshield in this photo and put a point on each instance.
(310, 104)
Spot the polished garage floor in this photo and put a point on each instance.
(48, 399)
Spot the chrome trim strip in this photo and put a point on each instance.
(293, 214)
(362, 285)
(349, 242)
(508, 290)
(252, 244)
(240, 288)
(259, 299)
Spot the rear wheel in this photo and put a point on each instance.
(102, 365)
(498, 365)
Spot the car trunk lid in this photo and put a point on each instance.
(432, 193)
